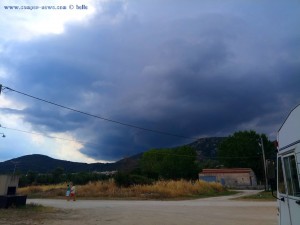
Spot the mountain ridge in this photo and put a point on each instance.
(205, 147)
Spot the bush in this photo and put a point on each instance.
(126, 180)
(174, 164)
(140, 180)
(122, 180)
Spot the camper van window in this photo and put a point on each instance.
(291, 175)
(281, 186)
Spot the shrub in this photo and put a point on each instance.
(126, 180)
(140, 180)
(122, 179)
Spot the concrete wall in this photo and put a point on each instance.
(8, 181)
(232, 179)
(236, 179)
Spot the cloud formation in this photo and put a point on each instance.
(194, 69)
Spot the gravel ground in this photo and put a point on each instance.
(209, 211)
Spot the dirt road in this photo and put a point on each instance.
(209, 211)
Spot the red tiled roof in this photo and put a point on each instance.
(232, 170)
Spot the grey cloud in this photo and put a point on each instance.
(194, 73)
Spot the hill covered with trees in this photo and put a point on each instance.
(205, 148)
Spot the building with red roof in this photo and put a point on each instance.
(233, 177)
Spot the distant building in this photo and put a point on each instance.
(234, 177)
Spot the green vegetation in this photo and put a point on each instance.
(58, 176)
(126, 180)
(242, 149)
(178, 163)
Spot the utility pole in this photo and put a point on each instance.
(15, 167)
(265, 168)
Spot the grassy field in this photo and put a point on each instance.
(108, 190)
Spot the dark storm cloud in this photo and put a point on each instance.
(194, 71)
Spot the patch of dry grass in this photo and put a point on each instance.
(31, 214)
(178, 189)
(108, 189)
(43, 190)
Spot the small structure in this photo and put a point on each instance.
(234, 177)
(8, 190)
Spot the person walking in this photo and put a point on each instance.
(68, 192)
(73, 192)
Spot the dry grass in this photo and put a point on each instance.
(31, 214)
(44, 190)
(108, 189)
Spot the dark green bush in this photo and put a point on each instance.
(138, 179)
(122, 179)
(126, 180)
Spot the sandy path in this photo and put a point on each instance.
(209, 211)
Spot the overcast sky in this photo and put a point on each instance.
(189, 68)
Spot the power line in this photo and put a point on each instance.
(48, 136)
(65, 139)
(157, 153)
(99, 117)
(206, 157)
(106, 119)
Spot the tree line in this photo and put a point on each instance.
(242, 149)
(59, 176)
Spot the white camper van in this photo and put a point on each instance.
(288, 170)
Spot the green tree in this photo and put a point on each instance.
(57, 174)
(170, 163)
(31, 177)
(127, 179)
(243, 149)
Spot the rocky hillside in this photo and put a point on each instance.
(206, 147)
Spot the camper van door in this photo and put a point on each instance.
(284, 211)
(292, 180)
(290, 207)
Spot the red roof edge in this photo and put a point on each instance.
(231, 170)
